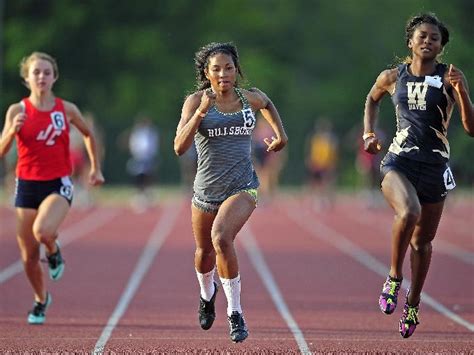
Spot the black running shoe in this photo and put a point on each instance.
(238, 328)
(55, 264)
(206, 311)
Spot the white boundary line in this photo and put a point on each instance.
(157, 237)
(259, 264)
(321, 231)
(77, 230)
(454, 251)
(445, 247)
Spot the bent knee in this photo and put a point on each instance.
(43, 233)
(421, 247)
(204, 253)
(222, 243)
(410, 215)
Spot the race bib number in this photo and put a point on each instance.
(249, 118)
(448, 177)
(67, 188)
(57, 119)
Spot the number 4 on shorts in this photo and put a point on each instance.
(449, 179)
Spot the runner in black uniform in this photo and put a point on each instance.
(415, 171)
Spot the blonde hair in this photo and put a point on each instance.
(26, 62)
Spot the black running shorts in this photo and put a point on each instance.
(30, 193)
(431, 181)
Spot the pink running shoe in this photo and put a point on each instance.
(409, 320)
(388, 297)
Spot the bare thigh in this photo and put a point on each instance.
(29, 246)
(232, 215)
(202, 226)
(400, 193)
(51, 214)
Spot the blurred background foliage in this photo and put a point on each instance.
(313, 58)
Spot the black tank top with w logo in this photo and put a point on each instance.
(423, 108)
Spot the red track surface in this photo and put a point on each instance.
(323, 271)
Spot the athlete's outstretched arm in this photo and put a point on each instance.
(461, 94)
(194, 109)
(385, 83)
(260, 101)
(14, 120)
(76, 119)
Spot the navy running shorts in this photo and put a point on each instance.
(30, 193)
(431, 181)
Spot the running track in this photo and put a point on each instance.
(310, 283)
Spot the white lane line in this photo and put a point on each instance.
(445, 247)
(454, 251)
(259, 264)
(78, 230)
(321, 231)
(157, 237)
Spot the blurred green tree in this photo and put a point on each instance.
(313, 58)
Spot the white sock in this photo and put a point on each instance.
(232, 292)
(206, 283)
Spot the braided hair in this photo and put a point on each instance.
(201, 61)
(429, 18)
(416, 21)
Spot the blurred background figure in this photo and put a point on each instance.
(7, 172)
(368, 168)
(83, 194)
(321, 163)
(188, 167)
(268, 165)
(143, 145)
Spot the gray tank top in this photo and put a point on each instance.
(223, 144)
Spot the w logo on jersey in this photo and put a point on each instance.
(417, 95)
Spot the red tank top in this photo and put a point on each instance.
(43, 143)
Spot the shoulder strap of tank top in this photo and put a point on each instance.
(242, 97)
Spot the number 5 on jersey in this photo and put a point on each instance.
(58, 124)
(249, 118)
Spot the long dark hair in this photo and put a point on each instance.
(201, 61)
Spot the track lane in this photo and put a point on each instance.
(97, 269)
(163, 315)
(312, 275)
(446, 328)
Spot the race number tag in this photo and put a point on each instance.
(57, 118)
(448, 177)
(249, 118)
(434, 81)
(67, 188)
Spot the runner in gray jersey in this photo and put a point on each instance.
(220, 118)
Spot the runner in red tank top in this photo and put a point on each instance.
(40, 124)
(43, 143)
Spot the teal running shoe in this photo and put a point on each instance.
(38, 314)
(55, 264)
